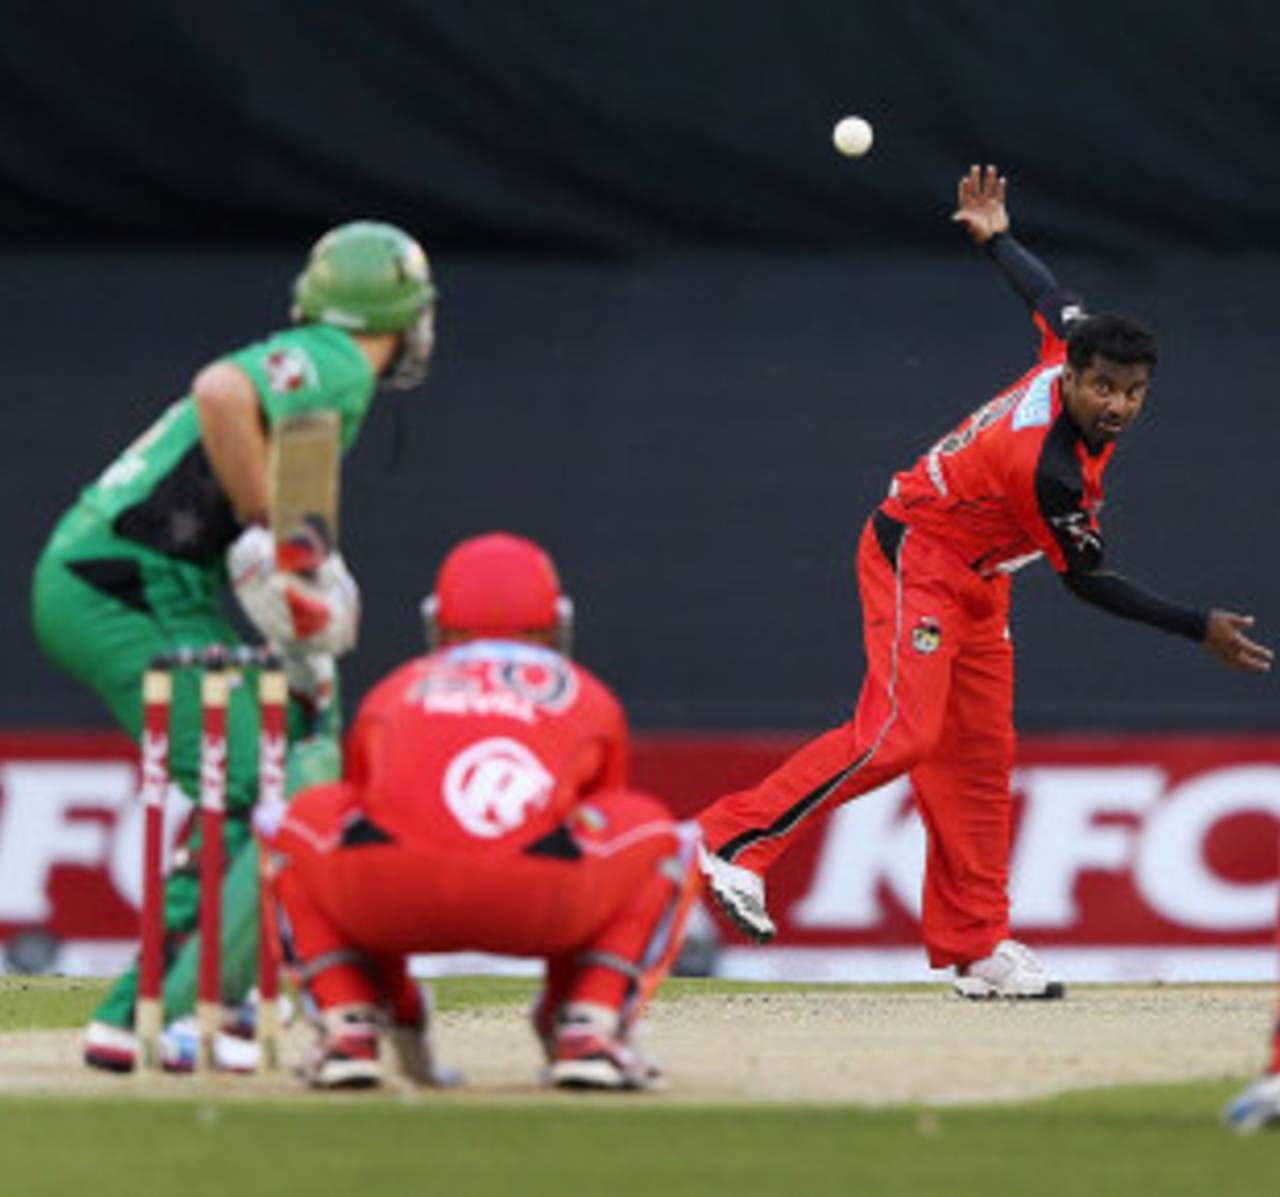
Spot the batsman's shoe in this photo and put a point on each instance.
(1011, 971)
(113, 1049)
(232, 1050)
(346, 1056)
(587, 1058)
(1256, 1107)
(739, 893)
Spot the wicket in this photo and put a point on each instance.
(216, 665)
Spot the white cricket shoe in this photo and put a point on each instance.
(1011, 971)
(115, 1049)
(1256, 1107)
(739, 893)
(587, 1059)
(346, 1053)
(110, 1048)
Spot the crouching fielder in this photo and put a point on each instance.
(485, 808)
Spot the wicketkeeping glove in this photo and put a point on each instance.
(315, 612)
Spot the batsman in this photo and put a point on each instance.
(210, 499)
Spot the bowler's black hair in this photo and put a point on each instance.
(1118, 338)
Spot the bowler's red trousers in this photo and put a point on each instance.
(603, 898)
(937, 703)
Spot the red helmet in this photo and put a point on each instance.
(497, 585)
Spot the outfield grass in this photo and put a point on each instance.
(35, 1003)
(1148, 1141)
(1121, 1142)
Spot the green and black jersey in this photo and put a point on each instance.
(161, 491)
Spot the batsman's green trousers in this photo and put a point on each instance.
(103, 607)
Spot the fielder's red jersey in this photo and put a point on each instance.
(1014, 481)
(488, 744)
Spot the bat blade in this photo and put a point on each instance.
(304, 470)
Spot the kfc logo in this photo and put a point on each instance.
(213, 773)
(1120, 845)
(494, 786)
(271, 770)
(1159, 850)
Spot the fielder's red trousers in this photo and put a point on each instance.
(937, 703)
(602, 898)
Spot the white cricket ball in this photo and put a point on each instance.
(852, 136)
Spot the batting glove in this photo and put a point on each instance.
(318, 612)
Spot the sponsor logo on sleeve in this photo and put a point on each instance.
(289, 370)
(1033, 411)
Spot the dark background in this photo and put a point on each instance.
(681, 341)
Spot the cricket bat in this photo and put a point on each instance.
(303, 480)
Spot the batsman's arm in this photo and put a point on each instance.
(234, 438)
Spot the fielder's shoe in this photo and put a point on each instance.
(346, 1055)
(739, 893)
(1256, 1107)
(545, 1020)
(1011, 971)
(586, 1058)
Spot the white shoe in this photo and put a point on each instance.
(739, 893)
(1256, 1107)
(110, 1048)
(232, 1052)
(346, 1053)
(586, 1059)
(115, 1050)
(1011, 971)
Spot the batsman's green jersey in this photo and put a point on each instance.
(136, 567)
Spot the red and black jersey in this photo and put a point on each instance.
(1016, 479)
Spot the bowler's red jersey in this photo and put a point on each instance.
(1014, 481)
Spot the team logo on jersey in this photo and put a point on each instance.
(495, 785)
(926, 636)
(1034, 410)
(548, 682)
(288, 370)
(529, 672)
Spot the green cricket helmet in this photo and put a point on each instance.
(369, 277)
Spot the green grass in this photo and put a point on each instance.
(32, 1003)
(1124, 1142)
(1139, 1142)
